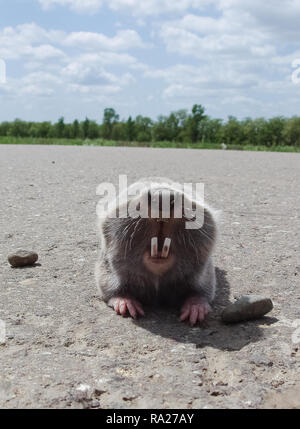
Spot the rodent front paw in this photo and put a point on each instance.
(124, 305)
(195, 309)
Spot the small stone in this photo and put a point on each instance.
(247, 308)
(68, 343)
(129, 397)
(216, 393)
(22, 258)
(82, 393)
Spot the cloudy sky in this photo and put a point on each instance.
(73, 58)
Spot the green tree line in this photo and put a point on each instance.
(180, 126)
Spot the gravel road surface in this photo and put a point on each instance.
(65, 349)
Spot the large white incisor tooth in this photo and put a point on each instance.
(166, 248)
(154, 247)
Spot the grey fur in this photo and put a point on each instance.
(120, 270)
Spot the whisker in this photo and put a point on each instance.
(194, 246)
(134, 230)
(183, 239)
(206, 234)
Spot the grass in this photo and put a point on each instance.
(101, 142)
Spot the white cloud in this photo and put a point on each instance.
(34, 84)
(29, 40)
(278, 15)
(124, 40)
(205, 81)
(231, 55)
(32, 40)
(41, 78)
(110, 58)
(94, 91)
(201, 36)
(242, 53)
(87, 6)
(43, 52)
(58, 63)
(157, 7)
(136, 7)
(90, 74)
(272, 17)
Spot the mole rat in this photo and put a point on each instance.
(155, 259)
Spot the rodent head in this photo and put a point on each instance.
(158, 244)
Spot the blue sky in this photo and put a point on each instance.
(73, 58)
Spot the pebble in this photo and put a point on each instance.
(22, 258)
(95, 404)
(247, 308)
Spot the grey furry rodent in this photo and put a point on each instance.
(128, 277)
